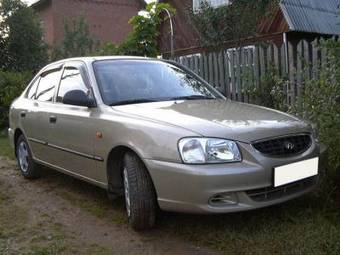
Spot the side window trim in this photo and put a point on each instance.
(37, 79)
(58, 87)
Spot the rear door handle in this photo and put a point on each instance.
(53, 119)
(23, 114)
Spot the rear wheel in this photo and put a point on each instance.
(27, 166)
(140, 195)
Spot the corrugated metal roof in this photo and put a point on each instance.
(315, 16)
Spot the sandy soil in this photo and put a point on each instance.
(57, 214)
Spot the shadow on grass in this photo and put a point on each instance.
(307, 225)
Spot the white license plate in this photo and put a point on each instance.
(295, 171)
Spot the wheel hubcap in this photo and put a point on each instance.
(23, 156)
(127, 191)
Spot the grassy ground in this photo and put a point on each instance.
(5, 149)
(308, 225)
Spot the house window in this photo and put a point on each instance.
(213, 3)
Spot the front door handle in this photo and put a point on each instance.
(23, 114)
(53, 119)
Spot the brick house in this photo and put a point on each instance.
(107, 19)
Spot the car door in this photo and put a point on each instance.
(72, 128)
(37, 127)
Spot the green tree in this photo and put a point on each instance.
(235, 21)
(142, 41)
(21, 44)
(77, 40)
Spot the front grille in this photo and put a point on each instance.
(271, 193)
(284, 146)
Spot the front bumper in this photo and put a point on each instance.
(190, 188)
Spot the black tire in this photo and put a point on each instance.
(32, 169)
(142, 208)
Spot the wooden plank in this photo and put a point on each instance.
(256, 69)
(196, 68)
(270, 55)
(316, 59)
(292, 73)
(226, 61)
(201, 65)
(299, 68)
(232, 72)
(283, 61)
(308, 59)
(216, 73)
(277, 62)
(238, 74)
(191, 63)
(205, 64)
(221, 69)
(250, 83)
(211, 70)
(262, 60)
(185, 61)
(284, 72)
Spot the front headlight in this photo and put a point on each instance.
(208, 150)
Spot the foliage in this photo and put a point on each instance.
(11, 85)
(109, 49)
(270, 91)
(237, 20)
(320, 101)
(77, 40)
(21, 44)
(142, 41)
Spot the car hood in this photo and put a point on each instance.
(220, 118)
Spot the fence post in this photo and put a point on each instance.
(226, 61)
(292, 73)
(299, 68)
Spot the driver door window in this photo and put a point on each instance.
(71, 80)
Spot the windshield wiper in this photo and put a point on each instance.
(133, 101)
(191, 97)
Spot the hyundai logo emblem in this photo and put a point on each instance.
(289, 146)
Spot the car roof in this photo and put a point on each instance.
(89, 60)
(96, 58)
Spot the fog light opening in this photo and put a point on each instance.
(224, 199)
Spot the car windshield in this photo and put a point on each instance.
(139, 81)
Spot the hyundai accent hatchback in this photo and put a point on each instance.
(158, 134)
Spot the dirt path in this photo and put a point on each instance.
(57, 214)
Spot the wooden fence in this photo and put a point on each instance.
(235, 71)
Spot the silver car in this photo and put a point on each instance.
(158, 134)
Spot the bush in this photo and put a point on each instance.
(270, 93)
(320, 102)
(11, 86)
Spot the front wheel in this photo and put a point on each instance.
(140, 195)
(27, 166)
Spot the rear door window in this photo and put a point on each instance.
(31, 92)
(48, 83)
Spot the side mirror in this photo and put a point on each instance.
(79, 98)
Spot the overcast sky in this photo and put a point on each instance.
(30, 1)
